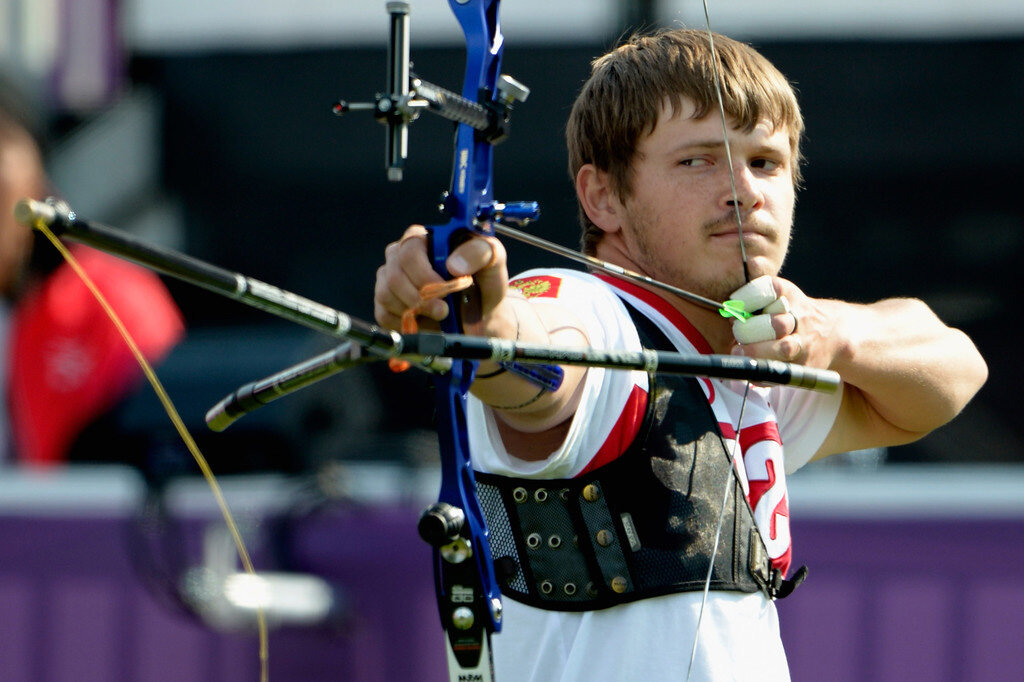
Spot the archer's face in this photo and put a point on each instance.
(679, 223)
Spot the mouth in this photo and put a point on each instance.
(748, 234)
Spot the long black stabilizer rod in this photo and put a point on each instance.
(256, 394)
(65, 223)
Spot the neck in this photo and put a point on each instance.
(715, 329)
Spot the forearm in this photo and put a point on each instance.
(521, 403)
(911, 370)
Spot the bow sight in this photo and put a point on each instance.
(407, 95)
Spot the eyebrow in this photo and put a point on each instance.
(719, 143)
(713, 143)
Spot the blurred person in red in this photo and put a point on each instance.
(63, 364)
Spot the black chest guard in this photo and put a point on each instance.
(641, 526)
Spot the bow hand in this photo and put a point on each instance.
(407, 281)
(484, 259)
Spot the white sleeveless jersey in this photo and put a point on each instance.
(651, 639)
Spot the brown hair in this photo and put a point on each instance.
(623, 97)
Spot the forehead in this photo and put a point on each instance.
(677, 126)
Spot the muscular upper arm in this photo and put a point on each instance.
(858, 426)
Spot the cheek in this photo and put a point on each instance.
(785, 200)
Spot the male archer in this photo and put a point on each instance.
(604, 496)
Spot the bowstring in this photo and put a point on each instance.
(734, 451)
(179, 425)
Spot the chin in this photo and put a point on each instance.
(721, 289)
(758, 266)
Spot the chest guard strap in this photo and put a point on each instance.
(641, 526)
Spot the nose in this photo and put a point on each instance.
(747, 193)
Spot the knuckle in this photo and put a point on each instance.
(381, 315)
(792, 346)
(392, 279)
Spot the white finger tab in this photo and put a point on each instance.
(754, 330)
(756, 294)
(777, 307)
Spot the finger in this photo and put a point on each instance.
(789, 348)
(393, 318)
(393, 295)
(485, 258)
(415, 231)
(475, 255)
(412, 255)
(406, 269)
(756, 329)
(792, 348)
(385, 318)
(777, 307)
(756, 294)
(398, 286)
(493, 278)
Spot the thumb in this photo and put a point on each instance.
(486, 260)
(492, 279)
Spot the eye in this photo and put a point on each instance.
(766, 164)
(697, 161)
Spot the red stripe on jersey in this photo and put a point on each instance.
(781, 509)
(750, 436)
(624, 431)
(663, 307)
(755, 433)
(710, 388)
(759, 487)
(757, 490)
(783, 561)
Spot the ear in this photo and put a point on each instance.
(598, 199)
